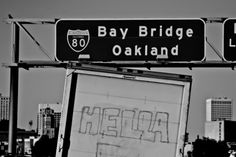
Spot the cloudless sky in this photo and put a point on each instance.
(46, 85)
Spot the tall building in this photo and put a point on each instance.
(219, 109)
(4, 107)
(48, 119)
(221, 130)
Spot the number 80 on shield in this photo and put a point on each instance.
(78, 39)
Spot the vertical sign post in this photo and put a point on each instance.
(14, 76)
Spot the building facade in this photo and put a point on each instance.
(48, 119)
(219, 109)
(4, 107)
(221, 130)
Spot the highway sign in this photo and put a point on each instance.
(130, 39)
(229, 39)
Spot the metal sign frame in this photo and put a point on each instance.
(73, 87)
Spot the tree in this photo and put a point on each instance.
(4, 125)
(41, 147)
(45, 147)
(209, 148)
(30, 124)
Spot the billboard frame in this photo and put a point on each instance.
(121, 73)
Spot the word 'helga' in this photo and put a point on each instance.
(125, 123)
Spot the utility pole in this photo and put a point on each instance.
(14, 77)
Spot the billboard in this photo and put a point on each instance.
(130, 39)
(110, 113)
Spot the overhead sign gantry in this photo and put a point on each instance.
(179, 42)
(130, 39)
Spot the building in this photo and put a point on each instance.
(221, 130)
(22, 134)
(219, 109)
(48, 119)
(4, 107)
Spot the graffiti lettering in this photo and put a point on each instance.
(125, 123)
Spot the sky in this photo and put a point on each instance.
(46, 85)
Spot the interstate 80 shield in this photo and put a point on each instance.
(78, 39)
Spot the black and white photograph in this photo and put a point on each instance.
(127, 78)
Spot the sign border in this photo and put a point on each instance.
(125, 19)
(223, 36)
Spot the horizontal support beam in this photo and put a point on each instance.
(32, 21)
(53, 21)
(37, 64)
(160, 64)
(204, 64)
